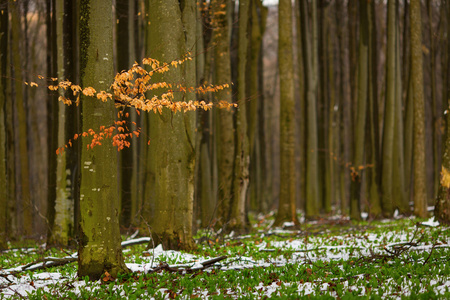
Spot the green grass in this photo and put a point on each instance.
(326, 259)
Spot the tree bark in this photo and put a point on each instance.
(225, 142)
(237, 219)
(99, 249)
(286, 206)
(442, 206)
(419, 188)
(3, 154)
(168, 205)
(358, 159)
(398, 185)
(312, 176)
(346, 104)
(25, 201)
(62, 207)
(389, 114)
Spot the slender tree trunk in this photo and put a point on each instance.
(11, 171)
(124, 62)
(52, 117)
(408, 137)
(419, 188)
(99, 249)
(352, 9)
(346, 104)
(225, 141)
(358, 160)
(61, 208)
(286, 206)
(389, 114)
(3, 155)
(373, 135)
(322, 102)
(204, 193)
(442, 207)
(301, 111)
(312, 175)
(242, 156)
(25, 202)
(264, 148)
(434, 113)
(398, 185)
(252, 93)
(332, 153)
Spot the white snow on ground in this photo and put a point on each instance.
(335, 248)
(431, 222)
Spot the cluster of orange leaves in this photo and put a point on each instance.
(119, 139)
(129, 89)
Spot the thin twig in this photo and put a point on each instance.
(151, 237)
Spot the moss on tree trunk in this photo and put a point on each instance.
(168, 205)
(100, 250)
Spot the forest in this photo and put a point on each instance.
(299, 143)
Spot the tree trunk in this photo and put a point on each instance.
(442, 207)
(252, 93)
(346, 104)
(25, 202)
(312, 176)
(237, 220)
(419, 188)
(398, 185)
(225, 141)
(352, 9)
(62, 207)
(3, 154)
(286, 206)
(301, 114)
(358, 159)
(168, 205)
(99, 249)
(124, 61)
(373, 135)
(434, 113)
(263, 136)
(389, 114)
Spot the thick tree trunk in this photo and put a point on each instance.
(99, 249)
(168, 205)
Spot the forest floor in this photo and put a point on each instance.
(327, 258)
